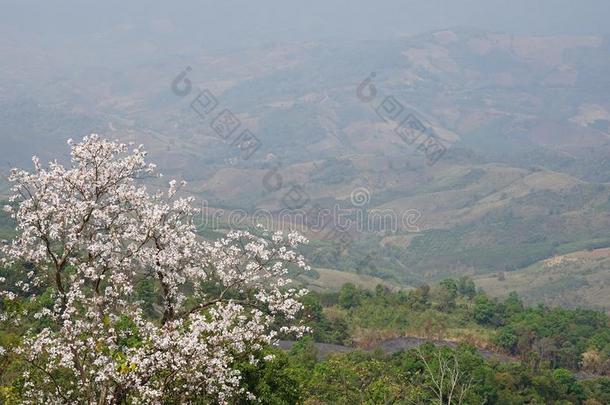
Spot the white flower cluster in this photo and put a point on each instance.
(93, 236)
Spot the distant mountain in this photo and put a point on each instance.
(525, 122)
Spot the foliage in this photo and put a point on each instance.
(576, 339)
(427, 375)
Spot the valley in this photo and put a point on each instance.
(525, 119)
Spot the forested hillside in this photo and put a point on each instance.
(524, 120)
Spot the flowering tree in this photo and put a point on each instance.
(91, 234)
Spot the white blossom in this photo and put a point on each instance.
(93, 233)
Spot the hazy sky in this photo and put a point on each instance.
(238, 23)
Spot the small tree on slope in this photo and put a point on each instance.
(90, 234)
